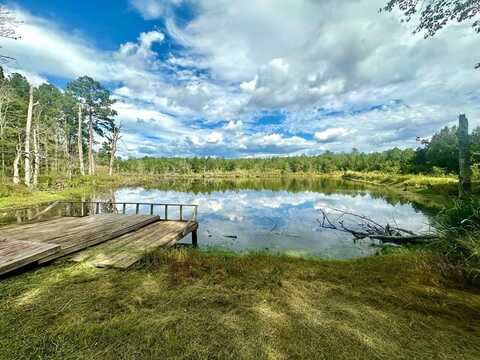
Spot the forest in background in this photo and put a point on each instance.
(48, 131)
(438, 156)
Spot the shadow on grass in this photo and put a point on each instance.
(188, 304)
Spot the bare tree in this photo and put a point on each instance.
(36, 155)
(464, 160)
(113, 147)
(28, 129)
(80, 141)
(91, 158)
(16, 163)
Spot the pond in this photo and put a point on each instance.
(278, 215)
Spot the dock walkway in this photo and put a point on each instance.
(124, 239)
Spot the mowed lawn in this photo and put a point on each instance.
(188, 304)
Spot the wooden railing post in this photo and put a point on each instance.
(194, 238)
(95, 207)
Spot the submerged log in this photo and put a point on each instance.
(417, 239)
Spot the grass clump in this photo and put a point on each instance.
(189, 304)
(459, 227)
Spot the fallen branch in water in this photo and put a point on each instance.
(368, 228)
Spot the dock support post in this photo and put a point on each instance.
(194, 239)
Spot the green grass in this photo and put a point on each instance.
(188, 304)
(21, 196)
(418, 181)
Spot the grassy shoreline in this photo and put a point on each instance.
(14, 196)
(188, 304)
(193, 304)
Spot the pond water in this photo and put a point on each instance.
(280, 215)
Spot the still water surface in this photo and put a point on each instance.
(279, 215)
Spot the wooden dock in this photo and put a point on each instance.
(124, 238)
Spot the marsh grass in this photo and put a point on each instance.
(190, 304)
(406, 181)
(459, 229)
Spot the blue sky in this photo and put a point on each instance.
(253, 78)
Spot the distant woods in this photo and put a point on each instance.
(45, 131)
(438, 156)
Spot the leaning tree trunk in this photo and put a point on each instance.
(44, 153)
(91, 160)
(113, 150)
(464, 177)
(36, 154)
(80, 142)
(67, 166)
(16, 163)
(28, 128)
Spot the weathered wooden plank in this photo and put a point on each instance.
(125, 251)
(129, 238)
(101, 234)
(71, 227)
(132, 241)
(15, 254)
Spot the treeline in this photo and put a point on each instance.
(437, 156)
(45, 130)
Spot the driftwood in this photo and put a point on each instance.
(368, 228)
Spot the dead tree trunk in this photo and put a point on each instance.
(55, 150)
(80, 142)
(464, 177)
(28, 129)
(67, 163)
(44, 153)
(16, 163)
(91, 160)
(113, 150)
(36, 154)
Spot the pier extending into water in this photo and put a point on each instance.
(104, 234)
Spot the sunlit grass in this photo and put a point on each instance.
(189, 304)
(412, 180)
